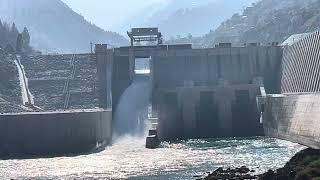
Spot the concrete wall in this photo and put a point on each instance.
(202, 112)
(121, 78)
(104, 58)
(211, 92)
(293, 117)
(207, 67)
(301, 67)
(54, 132)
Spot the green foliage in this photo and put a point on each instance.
(12, 40)
(308, 173)
(19, 44)
(315, 164)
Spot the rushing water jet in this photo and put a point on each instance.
(132, 109)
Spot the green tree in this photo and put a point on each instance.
(19, 44)
(26, 37)
(14, 29)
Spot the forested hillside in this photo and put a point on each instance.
(11, 40)
(266, 21)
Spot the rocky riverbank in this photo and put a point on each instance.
(304, 165)
(237, 173)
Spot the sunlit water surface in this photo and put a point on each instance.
(127, 158)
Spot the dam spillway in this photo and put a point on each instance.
(206, 89)
(196, 93)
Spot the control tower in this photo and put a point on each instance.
(138, 35)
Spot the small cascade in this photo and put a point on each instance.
(27, 97)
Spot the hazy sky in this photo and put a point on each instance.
(109, 13)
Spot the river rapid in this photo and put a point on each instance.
(127, 158)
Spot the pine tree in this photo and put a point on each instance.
(12, 40)
(26, 37)
(19, 44)
(14, 29)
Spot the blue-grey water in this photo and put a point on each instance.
(128, 159)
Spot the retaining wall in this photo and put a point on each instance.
(293, 117)
(49, 133)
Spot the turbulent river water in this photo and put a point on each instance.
(127, 158)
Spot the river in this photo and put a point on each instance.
(127, 158)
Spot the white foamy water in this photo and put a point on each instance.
(128, 159)
(25, 93)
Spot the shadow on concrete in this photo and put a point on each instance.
(94, 150)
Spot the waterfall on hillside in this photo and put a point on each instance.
(27, 97)
(132, 110)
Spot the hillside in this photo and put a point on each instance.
(55, 27)
(266, 21)
(180, 17)
(198, 20)
(10, 92)
(269, 21)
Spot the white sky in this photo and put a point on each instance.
(108, 13)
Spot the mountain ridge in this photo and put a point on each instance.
(177, 17)
(55, 27)
(265, 22)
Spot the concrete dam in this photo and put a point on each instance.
(194, 93)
